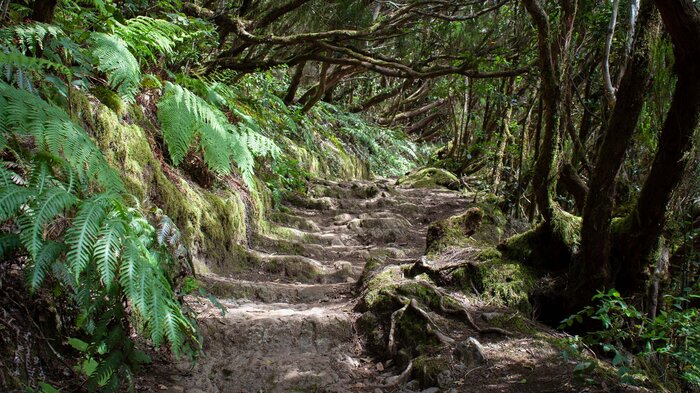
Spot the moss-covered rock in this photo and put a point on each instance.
(110, 99)
(427, 369)
(430, 178)
(454, 231)
(501, 281)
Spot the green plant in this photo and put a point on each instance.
(674, 333)
(186, 117)
(62, 212)
(114, 59)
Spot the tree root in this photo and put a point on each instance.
(463, 312)
(401, 378)
(392, 331)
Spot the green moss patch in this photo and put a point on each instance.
(500, 281)
(430, 178)
(213, 222)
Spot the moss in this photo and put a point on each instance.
(514, 323)
(500, 281)
(430, 178)
(373, 330)
(150, 81)
(381, 286)
(420, 291)
(568, 227)
(489, 253)
(110, 99)
(427, 368)
(213, 222)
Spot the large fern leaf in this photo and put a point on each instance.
(115, 60)
(39, 266)
(183, 115)
(81, 237)
(108, 250)
(52, 202)
(147, 36)
(12, 197)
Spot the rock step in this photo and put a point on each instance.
(275, 292)
(303, 269)
(320, 252)
(275, 347)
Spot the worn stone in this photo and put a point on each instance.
(470, 352)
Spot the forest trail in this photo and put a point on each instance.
(290, 331)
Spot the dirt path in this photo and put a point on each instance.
(289, 326)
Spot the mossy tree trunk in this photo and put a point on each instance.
(594, 261)
(634, 247)
(552, 59)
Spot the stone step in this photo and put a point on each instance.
(274, 292)
(276, 347)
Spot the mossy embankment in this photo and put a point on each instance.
(217, 218)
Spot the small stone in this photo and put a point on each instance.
(489, 316)
(431, 390)
(380, 367)
(377, 390)
(413, 384)
(470, 352)
(341, 219)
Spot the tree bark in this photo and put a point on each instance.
(682, 21)
(597, 211)
(543, 180)
(43, 11)
(294, 84)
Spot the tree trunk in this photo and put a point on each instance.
(597, 211)
(43, 11)
(294, 85)
(682, 21)
(543, 180)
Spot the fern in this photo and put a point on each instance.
(28, 38)
(26, 114)
(81, 237)
(12, 197)
(147, 36)
(183, 116)
(114, 59)
(49, 204)
(108, 250)
(39, 267)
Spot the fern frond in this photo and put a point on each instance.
(183, 115)
(52, 202)
(147, 36)
(12, 197)
(28, 37)
(115, 60)
(18, 60)
(108, 250)
(39, 266)
(130, 275)
(54, 132)
(82, 235)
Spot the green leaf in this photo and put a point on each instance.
(78, 344)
